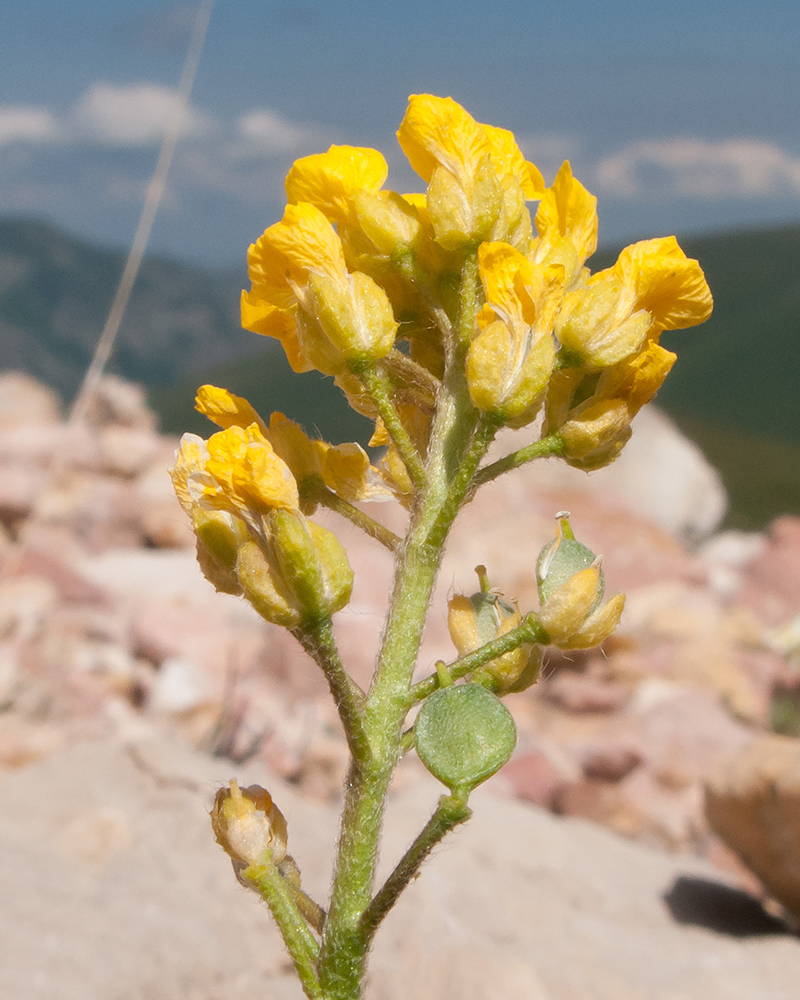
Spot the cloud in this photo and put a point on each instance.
(697, 169)
(133, 114)
(268, 132)
(27, 125)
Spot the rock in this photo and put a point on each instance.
(23, 401)
(580, 693)
(533, 778)
(164, 523)
(753, 803)
(121, 403)
(727, 555)
(771, 580)
(113, 886)
(611, 759)
(179, 686)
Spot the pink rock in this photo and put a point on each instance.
(534, 778)
(771, 582)
(577, 692)
(23, 401)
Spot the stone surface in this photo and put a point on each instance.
(753, 803)
(113, 888)
(24, 400)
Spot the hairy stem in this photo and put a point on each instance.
(529, 631)
(376, 384)
(551, 445)
(315, 489)
(450, 812)
(318, 641)
(300, 942)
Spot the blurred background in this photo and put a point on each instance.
(681, 118)
(129, 689)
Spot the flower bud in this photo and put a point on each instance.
(301, 571)
(571, 586)
(474, 621)
(248, 826)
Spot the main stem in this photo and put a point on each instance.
(455, 451)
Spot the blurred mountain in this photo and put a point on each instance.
(55, 293)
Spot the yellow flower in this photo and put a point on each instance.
(474, 621)
(244, 476)
(298, 267)
(331, 181)
(668, 284)
(298, 572)
(652, 287)
(477, 178)
(511, 358)
(226, 409)
(571, 586)
(566, 224)
(596, 429)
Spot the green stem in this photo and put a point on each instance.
(318, 641)
(551, 445)
(300, 942)
(528, 631)
(377, 386)
(449, 814)
(315, 489)
(345, 942)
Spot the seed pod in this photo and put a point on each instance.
(463, 735)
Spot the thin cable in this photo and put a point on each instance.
(155, 193)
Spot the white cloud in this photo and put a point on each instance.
(694, 168)
(267, 131)
(27, 125)
(133, 114)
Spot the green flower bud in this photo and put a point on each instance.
(571, 586)
(474, 621)
(563, 558)
(463, 735)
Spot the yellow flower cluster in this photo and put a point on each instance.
(353, 270)
(352, 267)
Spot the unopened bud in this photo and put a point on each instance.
(248, 826)
(474, 621)
(571, 586)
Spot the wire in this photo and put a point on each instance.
(155, 193)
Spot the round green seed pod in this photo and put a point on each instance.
(463, 735)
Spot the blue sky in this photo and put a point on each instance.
(681, 117)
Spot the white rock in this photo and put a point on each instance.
(179, 686)
(23, 400)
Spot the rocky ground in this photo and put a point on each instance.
(112, 643)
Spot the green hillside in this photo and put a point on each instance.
(55, 292)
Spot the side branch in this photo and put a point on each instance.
(529, 631)
(315, 489)
(551, 445)
(449, 814)
(300, 942)
(375, 382)
(317, 640)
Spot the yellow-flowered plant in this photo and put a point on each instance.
(444, 317)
